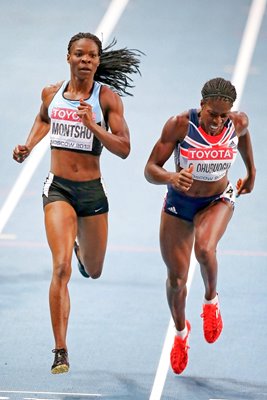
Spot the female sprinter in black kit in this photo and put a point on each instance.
(77, 115)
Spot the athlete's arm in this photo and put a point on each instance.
(40, 126)
(119, 141)
(173, 131)
(245, 148)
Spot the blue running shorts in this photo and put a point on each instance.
(185, 207)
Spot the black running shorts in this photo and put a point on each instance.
(87, 198)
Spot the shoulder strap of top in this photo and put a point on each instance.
(63, 86)
(96, 89)
(193, 116)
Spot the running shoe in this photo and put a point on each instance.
(61, 362)
(179, 352)
(80, 266)
(212, 322)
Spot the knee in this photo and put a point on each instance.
(176, 283)
(204, 252)
(94, 269)
(95, 274)
(62, 271)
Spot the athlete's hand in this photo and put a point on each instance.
(244, 186)
(85, 112)
(183, 179)
(20, 153)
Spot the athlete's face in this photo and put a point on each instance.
(83, 58)
(214, 114)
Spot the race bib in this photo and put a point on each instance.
(210, 164)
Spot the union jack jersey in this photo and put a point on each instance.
(211, 156)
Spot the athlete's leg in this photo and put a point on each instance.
(92, 238)
(176, 241)
(210, 225)
(61, 230)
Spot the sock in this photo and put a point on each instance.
(213, 301)
(182, 334)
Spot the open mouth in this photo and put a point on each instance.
(214, 128)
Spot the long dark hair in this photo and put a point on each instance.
(115, 65)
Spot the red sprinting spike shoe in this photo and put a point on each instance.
(212, 322)
(179, 352)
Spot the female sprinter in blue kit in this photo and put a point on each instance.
(200, 200)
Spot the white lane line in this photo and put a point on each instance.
(51, 393)
(7, 236)
(114, 13)
(107, 25)
(38, 398)
(22, 181)
(247, 46)
(163, 366)
(246, 49)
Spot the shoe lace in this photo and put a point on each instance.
(210, 316)
(181, 346)
(59, 353)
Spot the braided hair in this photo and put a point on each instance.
(115, 65)
(219, 88)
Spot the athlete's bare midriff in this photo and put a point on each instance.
(206, 189)
(74, 165)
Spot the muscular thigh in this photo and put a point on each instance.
(176, 241)
(61, 229)
(92, 237)
(211, 223)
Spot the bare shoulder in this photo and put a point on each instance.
(48, 94)
(109, 99)
(240, 120)
(49, 91)
(176, 126)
